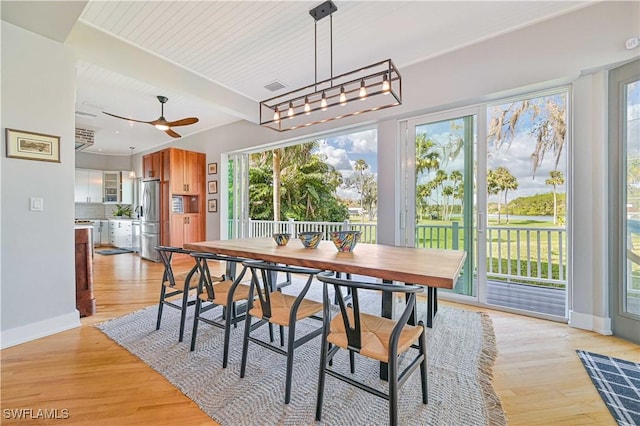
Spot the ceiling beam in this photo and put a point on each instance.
(107, 51)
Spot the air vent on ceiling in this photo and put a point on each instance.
(275, 85)
(84, 114)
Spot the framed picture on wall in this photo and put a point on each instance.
(213, 206)
(32, 146)
(213, 187)
(213, 168)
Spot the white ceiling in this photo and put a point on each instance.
(218, 56)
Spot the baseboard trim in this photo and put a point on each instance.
(36, 330)
(600, 325)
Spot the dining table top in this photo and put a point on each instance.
(423, 266)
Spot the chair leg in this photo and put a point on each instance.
(160, 306)
(393, 390)
(352, 362)
(245, 345)
(321, 377)
(281, 336)
(227, 334)
(423, 366)
(183, 312)
(194, 330)
(290, 345)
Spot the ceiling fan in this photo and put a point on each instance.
(161, 123)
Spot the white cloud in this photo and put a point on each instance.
(336, 157)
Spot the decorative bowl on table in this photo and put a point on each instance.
(310, 239)
(281, 239)
(345, 241)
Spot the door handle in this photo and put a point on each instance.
(480, 225)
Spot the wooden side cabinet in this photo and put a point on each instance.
(152, 165)
(85, 302)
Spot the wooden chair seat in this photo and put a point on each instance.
(221, 293)
(181, 277)
(281, 305)
(375, 332)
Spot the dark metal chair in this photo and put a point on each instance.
(371, 336)
(275, 308)
(175, 284)
(214, 292)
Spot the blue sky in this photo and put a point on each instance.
(343, 151)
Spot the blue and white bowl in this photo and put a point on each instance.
(281, 239)
(345, 241)
(310, 239)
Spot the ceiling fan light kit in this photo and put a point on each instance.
(370, 88)
(161, 123)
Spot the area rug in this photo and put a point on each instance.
(618, 382)
(461, 353)
(108, 252)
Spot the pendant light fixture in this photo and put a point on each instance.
(344, 95)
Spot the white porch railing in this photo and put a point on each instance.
(514, 254)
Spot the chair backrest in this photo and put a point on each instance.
(263, 287)
(352, 323)
(205, 274)
(166, 255)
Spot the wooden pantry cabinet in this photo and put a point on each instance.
(182, 194)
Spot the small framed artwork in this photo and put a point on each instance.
(213, 168)
(213, 187)
(32, 146)
(213, 206)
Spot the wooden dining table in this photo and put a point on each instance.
(432, 268)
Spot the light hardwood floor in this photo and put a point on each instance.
(537, 373)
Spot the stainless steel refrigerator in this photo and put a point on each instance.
(150, 220)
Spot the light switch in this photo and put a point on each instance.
(37, 204)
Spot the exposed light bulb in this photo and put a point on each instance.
(276, 115)
(307, 107)
(363, 91)
(323, 102)
(386, 87)
(290, 112)
(162, 127)
(343, 96)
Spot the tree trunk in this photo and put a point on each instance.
(506, 207)
(555, 206)
(277, 159)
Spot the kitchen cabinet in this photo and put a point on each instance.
(185, 228)
(111, 183)
(104, 233)
(120, 234)
(182, 183)
(88, 186)
(118, 188)
(186, 171)
(126, 188)
(152, 165)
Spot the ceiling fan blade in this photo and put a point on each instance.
(183, 122)
(128, 119)
(172, 133)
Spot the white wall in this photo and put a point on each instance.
(37, 249)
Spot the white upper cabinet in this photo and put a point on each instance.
(88, 186)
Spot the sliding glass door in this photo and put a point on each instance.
(440, 177)
(624, 191)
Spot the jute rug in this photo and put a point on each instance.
(461, 353)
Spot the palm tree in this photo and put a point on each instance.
(501, 180)
(361, 167)
(555, 178)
